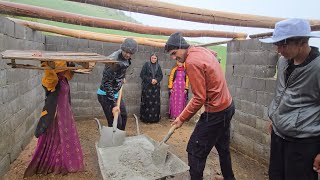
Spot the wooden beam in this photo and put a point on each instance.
(266, 34)
(66, 17)
(174, 11)
(214, 43)
(83, 34)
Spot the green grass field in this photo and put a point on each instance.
(102, 12)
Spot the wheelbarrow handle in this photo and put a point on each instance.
(116, 115)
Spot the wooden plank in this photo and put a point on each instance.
(28, 66)
(61, 56)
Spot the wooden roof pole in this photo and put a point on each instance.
(174, 11)
(71, 18)
(83, 34)
(214, 43)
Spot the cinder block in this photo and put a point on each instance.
(29, 34)
(15, 151)
(250, 45)
(109, 48)
(260, 58)
(147, 49)
(83, 111)
(19, 31)
(95, 44)
(39, 37)
(246, 94)
(49, 47)
(233, 80)
(264, 71)
(245, 118)
(262, 125)
(244, 70)
(17, 120)
(7, 26)
(3, 77)
(10, 43)
(237, 103)
(98, 112)
(4, 165)
(81, 86)
(235, 58)
(261, 152)
(264, 98)
(6, 138)
(2, 42)
(271, 85)
(258, 84)
(232, 90)
(233, 46)
(10, 92)
(261, 111)
(56, 40)
(242, 144)
(251, 133)
(246, 106)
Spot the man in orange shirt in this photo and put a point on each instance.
(210, 89)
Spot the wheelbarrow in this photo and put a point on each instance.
(133, 161)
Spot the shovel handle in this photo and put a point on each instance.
(171, 131)
(116, 115)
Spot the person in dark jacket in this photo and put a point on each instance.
(295, 110)
(112, 79)
(151, 75)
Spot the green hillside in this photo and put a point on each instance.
(98, 11)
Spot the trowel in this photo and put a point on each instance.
(111, 136)
(159, 154)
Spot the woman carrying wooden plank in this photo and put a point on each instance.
(58, 149)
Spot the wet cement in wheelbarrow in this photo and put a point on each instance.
(133, 161)
(244, 167)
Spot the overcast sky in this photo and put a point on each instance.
(307, 9)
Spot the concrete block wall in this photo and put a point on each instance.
(21, 93)
(250, 74)
(84, 86)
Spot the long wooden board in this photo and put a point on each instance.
(54, 56)
(86, 61)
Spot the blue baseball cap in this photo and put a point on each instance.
(290, 28)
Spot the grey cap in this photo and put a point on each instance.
(129, 45)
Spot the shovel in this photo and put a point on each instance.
(159, 154)
(111, 136)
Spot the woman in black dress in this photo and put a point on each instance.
(151, 75)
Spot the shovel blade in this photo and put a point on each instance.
(110, 138)
(159, 155)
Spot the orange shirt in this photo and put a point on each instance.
(207, 81)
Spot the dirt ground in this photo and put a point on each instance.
(244, 167)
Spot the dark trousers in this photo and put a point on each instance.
(212, 129)
(292, 160)
(107, 106)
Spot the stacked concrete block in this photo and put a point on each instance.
(250, 74)
(21, 93)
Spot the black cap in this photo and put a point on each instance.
(176, 41)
